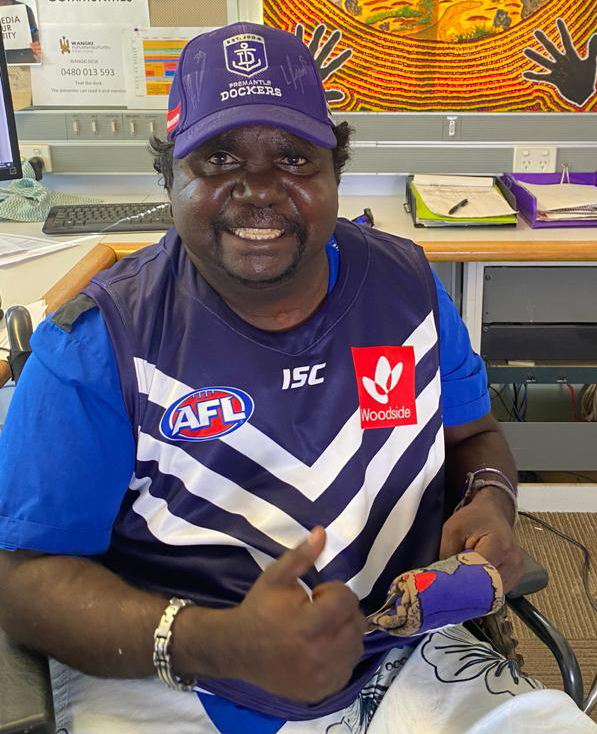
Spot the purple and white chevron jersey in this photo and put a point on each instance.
(246, 439)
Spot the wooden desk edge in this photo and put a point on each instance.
(4, 372)
(105, 254)
(471, 251)
(78, 277)
(512, 251)
(98, 258)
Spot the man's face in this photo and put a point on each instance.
(255, 205)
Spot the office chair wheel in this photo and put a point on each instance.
(498, 630)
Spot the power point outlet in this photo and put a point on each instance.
(39, 150)
(535, 159)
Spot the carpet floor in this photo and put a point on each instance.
(564, 601)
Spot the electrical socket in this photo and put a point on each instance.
(39, 150)
(535, 159)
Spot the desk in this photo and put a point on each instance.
(572, 448)
(476, 247)
(28, 281)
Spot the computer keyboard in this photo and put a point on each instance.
(148, 216)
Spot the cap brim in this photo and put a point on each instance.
(288, 119)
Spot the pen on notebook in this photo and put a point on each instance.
(458, 206)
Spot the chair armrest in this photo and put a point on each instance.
(25, 691)
(559, 646)
(534, 578)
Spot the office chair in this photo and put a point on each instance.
(25, 690)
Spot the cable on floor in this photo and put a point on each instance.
(586, 553)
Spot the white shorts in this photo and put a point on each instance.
(449, 684)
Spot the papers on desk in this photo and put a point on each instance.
(14, 248)
(442, 201)
(564, 200)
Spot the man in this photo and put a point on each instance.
(266, 370)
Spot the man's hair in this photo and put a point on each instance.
(162, 151)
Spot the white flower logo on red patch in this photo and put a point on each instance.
(386, 379)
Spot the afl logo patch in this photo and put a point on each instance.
(207, 413)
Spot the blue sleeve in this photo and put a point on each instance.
(463, 376)
(67, 448)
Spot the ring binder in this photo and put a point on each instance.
(528, 206)
(422, 216)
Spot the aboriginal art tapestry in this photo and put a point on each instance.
(436, 55)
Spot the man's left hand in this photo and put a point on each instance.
(482, 526)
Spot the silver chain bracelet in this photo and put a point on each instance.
(161, 647)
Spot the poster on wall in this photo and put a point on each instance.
(435, 55)
(113, 12)
(151, 58)
(82, 66)
(20, 31)
(19, 78)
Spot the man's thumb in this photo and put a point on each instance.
(452, 541)
(296, 561)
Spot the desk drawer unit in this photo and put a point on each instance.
(540, 313)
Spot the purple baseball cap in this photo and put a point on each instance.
(246, 74)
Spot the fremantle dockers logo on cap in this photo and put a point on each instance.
(245, 54)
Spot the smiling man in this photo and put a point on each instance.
(243, 435)
(258, 241)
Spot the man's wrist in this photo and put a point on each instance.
(498, 481)
(498, 498)
(201, 646)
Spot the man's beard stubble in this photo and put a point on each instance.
(288, 227)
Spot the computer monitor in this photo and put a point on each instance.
(10, 158)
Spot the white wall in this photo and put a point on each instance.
(251, 10)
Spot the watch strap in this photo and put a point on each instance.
(474, 483)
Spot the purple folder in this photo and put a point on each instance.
(527, 203)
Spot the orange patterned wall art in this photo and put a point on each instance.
(457, 55)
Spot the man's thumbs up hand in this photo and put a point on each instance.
(289, 644)
(296, 561)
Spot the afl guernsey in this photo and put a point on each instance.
(246, 439)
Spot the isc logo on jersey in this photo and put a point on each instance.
(207, 413)
(386, 385)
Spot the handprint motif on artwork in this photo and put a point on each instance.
(571, 75)
(322, 54)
